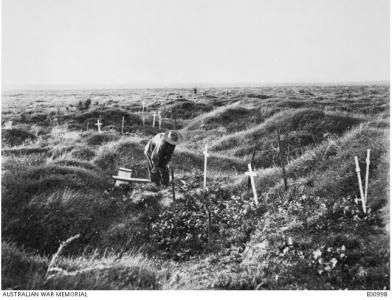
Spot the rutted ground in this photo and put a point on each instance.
(57, 183)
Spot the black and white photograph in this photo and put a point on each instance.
(195, 145)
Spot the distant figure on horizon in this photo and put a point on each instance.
(159, 151)
(195, 91)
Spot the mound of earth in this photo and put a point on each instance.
(189, 109)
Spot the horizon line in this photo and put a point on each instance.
(186, 85)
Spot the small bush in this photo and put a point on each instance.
(15, 137)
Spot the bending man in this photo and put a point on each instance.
(159, 151)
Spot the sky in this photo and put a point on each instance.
(147, 43)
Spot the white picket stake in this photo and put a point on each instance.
(99, 125)
(358, 170)
(153, 119)
(143, 112)
(122, 125)
(367, 174)
(252, 174)
(205, 152)
(159, 119)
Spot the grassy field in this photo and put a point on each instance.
(56, 183)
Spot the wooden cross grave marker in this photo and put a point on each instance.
(99, 125)
(252, 174)
(205, 152)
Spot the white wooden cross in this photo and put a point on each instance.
(367, 174)
(205, 152)
(159, 119)
(99, 125)
(358, 170)
(153, 119)
(252, 174)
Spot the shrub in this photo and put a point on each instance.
(84, 105)
(15, 137)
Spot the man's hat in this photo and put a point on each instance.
(173, 137)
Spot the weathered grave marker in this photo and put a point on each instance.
(99, 125)
(252, 174)
(367, 174)
(205, 152)
(125, 176)
(124, 173)
(358, 170)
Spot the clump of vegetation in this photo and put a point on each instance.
(83, 153)
(84, 105)
(100, 138)
(15, 137)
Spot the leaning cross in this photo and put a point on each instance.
(205, 152)
(99, 125)
(252, 174)
(358, 170)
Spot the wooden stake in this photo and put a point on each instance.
(252, 162)
(205, 152)
(143, 105)
(358, 170)
(159, 119)
(173, 190)
(367, 175)
(153, 119)
(122, 125)
(282, 160)
(252, 174)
